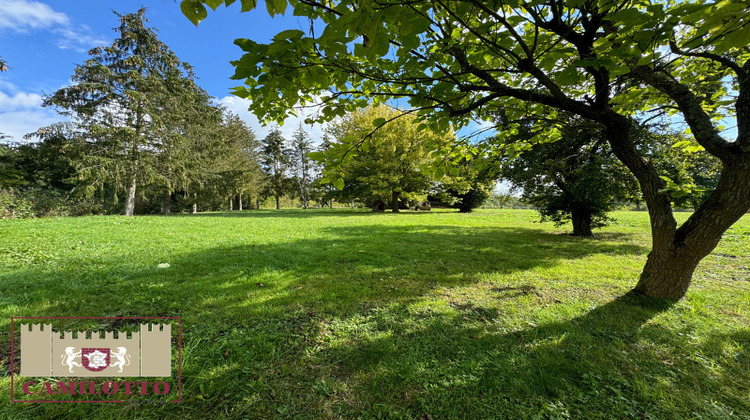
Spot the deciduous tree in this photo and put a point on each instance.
(390, 163)
(469, 179)
(572, 179)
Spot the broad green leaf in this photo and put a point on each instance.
(213, 4)
(280, 6)
(289, 34)
(276, 7)
(248, 5)
(194, 10)
(568, 76)
(317, 156)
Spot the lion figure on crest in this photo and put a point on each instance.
(69, 358)
(122, 358)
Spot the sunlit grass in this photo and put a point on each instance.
(336, 314)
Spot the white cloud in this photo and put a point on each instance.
(22, 113)
(21, 100)
(8, 86)
(24, 16)
(19, 123)
(239, 106)
(80, 40)
(21, 16)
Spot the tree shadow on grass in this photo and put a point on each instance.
(342, 270)
(610, 362)
(342, 325)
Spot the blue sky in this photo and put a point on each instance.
(43, 40)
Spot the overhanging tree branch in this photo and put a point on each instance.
(699, 121)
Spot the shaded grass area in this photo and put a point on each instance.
(334, 314)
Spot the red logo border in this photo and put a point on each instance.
(12, 352)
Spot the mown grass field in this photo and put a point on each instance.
(334, 314)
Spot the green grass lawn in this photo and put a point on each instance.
(338, 314)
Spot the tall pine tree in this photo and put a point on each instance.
(124, 99)
(275, 161)
(300, 163)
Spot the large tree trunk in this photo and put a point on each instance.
(303, 193)
(130, 197)
(675, 253)
(581, 223)
(231, 203)
(669, 268)
(166, 202)
(394, 201)
(257, 204)
(277, 202)
(240, 202)
(667, 274)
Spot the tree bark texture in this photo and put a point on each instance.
(670, 266)
(166, 202)
(130, 197)
(676, 252)
(581, 223)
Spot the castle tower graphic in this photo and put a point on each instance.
(45, 352)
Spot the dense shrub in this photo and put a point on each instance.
(37, 202)
(14, 204)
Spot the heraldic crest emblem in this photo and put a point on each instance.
(141, 353)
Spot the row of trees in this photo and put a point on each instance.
(140, 127)
(573, 179)
(143, 128)
(143, 133)
(290, 170)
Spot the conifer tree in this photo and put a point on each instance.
(125, 100)
(275, 162)
(300, 163)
